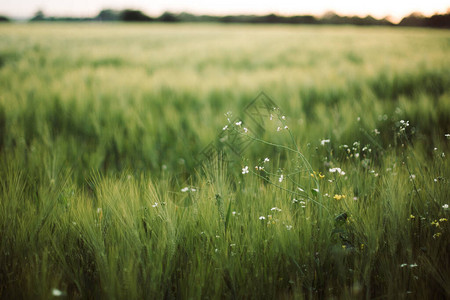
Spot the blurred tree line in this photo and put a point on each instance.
(419, 20)
(129, 15)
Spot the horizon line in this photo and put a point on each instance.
(243, 13)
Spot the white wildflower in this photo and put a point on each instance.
(57, 293)
(239, 123)
(245, 170)
(337, 170)
(323, 142)
(262, 218)
(404, 123)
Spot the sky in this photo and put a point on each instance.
(396, 9)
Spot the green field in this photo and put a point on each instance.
(101, 124)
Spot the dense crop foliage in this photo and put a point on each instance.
(343, 193)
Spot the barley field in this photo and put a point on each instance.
(207, 161)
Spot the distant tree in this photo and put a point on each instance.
(439, 21)
(108, 15)
(414, 19)
(168, 17)
(242, 19)
(38, 16)
(130, 15)
(276, 19)
(4, 19)
(227, 19)
(385, 21)
(271, 18)
(188, 17)
(368, 20)
(206, 18)
(330, 17)
(303, 20)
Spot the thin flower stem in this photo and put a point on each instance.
(291, 192)
(296, 151)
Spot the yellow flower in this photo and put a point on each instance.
(435, 223)
(339, 197)
(321, 176)
(443, 220)
(362, 246)
(436, 235)
(412, 217)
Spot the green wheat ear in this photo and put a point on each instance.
(219, 203)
